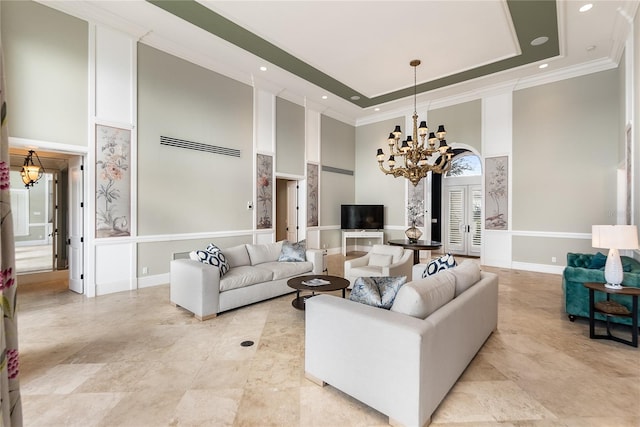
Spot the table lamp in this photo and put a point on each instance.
(614, 237)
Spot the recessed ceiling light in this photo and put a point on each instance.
(263, 68)
(539, 40)
(586, 7)
(541, 66)
(376, 109)
(355, 98)
(324, 97)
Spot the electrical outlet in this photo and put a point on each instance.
(145, 270)
(553, 259)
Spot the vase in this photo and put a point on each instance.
(413, 234)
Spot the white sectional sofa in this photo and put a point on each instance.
(255, 274)
(396, 363)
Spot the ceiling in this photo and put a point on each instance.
(350, 59)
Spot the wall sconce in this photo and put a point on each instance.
(30, 172)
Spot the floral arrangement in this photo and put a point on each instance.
(415, 210)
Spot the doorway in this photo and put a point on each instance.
(462, 205)
(287, 209)
(42, 221)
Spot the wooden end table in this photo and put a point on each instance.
(335, 284)
(630, 291)
(420, 245)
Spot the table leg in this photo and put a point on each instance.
(591, 314)
(416, 256)
(634, 320)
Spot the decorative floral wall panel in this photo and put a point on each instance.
(312, 195)
(113, 181)
(264, 191)
(496, 193)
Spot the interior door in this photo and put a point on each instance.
(292, 211)
(53, 183)
(76, 225)
(463, 230)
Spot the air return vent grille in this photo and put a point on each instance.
(189, 145)
(336, 170)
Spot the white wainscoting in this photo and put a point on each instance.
(114, 267)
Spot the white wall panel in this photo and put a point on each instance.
(496, 125)
(496, 249)
(115, 55)
(264, 111)
(313, 136)
(114, 267)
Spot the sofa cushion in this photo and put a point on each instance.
(598, 260)
(244, 275)
(380, 260)
(284, 269)
(237, 256)
(395, 251)
(439, 264)
(377, 291)
(215, 258)
(264, 252)
(466, 274)
(420, 298)
(293, 252)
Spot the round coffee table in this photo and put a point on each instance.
(420, 245)
(335, 284)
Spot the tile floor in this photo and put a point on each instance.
(132, 359)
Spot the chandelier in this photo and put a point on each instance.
(416, 154)
(30, 172)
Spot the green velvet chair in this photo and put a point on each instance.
(578, 271)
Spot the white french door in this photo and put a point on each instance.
(463, 228)
(76, 225)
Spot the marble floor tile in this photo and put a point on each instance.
(133, 359)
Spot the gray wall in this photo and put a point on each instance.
(337, 145)
(185, 191)
(463, 123)
(290, 145)
(565, 155)
(373, 186)
(565, 140)
(46, 72)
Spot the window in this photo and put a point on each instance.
(465, 164)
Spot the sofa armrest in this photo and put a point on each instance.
(316, 256)
(401, 268)
(349, 345)
(195, 286)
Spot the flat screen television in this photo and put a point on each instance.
(362, 217)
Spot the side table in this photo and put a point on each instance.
(611, 308)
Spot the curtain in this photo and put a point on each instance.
(10, 405)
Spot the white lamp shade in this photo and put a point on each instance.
(614, 236)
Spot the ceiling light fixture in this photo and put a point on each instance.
(539, 41)
(586, 7)
(263, 68)
(541, 66)
(416, 153)
(31, 172)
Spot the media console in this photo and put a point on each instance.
(360, 234)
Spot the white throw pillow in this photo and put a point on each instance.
(420, 298)
(437, 265)
(268, 252)
(237, 256)
(466, 274)
(380, 260)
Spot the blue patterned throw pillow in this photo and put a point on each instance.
(439, 264)
(377, 291)
(293, 252)
(215, 258)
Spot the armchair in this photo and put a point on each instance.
(580, 269)
(382, 260)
